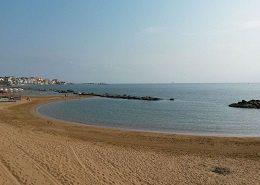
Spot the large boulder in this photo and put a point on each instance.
(252, 104)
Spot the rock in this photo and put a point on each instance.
(252, 104)
(62, 91)
(221, 171)
(70, 91)
(125, 96)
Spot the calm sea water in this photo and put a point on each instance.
(197, 108)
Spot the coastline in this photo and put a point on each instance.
(74, 153)
(134, 130)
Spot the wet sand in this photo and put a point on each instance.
(37, 150)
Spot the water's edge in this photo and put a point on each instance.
(135, 130)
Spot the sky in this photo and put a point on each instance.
(131, 41)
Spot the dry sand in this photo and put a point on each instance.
(37, 150)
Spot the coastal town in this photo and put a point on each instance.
(11, 80)
(11, 93)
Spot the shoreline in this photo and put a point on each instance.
(136, 133)
(64, 153)
(134, 130)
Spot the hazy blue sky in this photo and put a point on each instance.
(131, 41)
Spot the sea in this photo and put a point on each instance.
(197, 109)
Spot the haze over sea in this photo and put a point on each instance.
(197, 109)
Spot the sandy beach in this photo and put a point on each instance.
(37, 150)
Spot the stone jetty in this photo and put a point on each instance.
(65, 91)
(106, 95)
(252, 104)
(125, 96)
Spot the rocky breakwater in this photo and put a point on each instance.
(128, 97)
(64, 91)
(252, 104)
